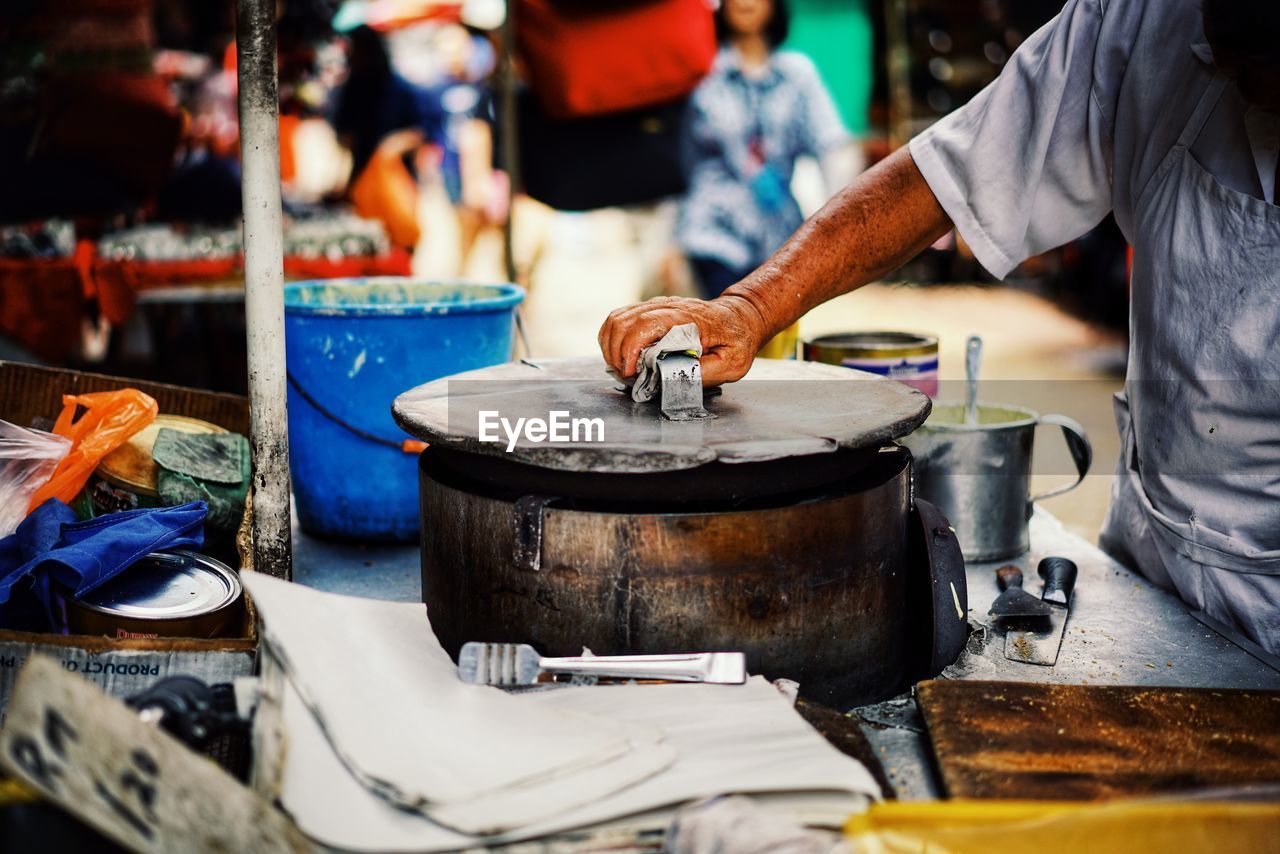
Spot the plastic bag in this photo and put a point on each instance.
(111, 419)
(28, 458)
(1134, 826)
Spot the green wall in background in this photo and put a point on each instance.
(837, 35)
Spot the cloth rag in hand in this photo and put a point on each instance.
(679, 339)
(52, 547)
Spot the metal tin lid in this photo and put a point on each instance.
(166, 586)
(780, 409)
(131, 466)
(876, 344)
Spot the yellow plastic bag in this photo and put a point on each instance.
(111, 418)
(1140, 826)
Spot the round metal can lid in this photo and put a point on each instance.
(166, 586)
(877, 344)
(782, 408)
(131, 466)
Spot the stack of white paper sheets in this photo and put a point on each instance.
(384, 748)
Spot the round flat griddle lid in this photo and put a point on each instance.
(780, 409)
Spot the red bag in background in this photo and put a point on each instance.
(41, 304)
(596, 57)
(125, 124)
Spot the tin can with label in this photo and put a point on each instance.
(178, 594)
(126, 477)
(907, 357)
(783, 345)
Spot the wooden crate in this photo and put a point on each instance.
(126, 666)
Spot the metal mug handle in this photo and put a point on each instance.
(1081, 454)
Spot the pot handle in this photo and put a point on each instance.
(937, 593)
(526, 552)
(1081, 454)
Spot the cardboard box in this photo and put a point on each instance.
(125, 666)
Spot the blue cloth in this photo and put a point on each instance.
(745, 134)
(52, 547)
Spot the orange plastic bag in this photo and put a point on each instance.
(111, 419)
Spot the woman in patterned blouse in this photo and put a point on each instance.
(758, 111)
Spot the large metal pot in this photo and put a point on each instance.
(818, 566)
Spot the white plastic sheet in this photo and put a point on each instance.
(28, 459)
(391, 706)
(747, 739)
(688, 741)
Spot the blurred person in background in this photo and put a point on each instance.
(458, 117)
(374, 102)
(751, 119)
(379, 120)
(205, 183)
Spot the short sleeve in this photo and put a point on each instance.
(1025, 165)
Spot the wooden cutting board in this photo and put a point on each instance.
(1088, 742)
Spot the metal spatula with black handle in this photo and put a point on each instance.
(1014, 603)
(1038, 641)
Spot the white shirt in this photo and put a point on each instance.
(1078, 122)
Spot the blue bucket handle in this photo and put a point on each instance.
(409, 446)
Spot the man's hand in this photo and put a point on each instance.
(732, 332)
(873, 226)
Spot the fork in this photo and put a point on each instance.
(519, 664)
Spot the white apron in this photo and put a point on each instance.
(1196, 506)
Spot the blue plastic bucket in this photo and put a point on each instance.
(353, 345)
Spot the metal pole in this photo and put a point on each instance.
(510, 135)
(511, 159)
(264, 282)
(898, 59)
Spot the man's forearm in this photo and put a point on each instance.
(870, 228)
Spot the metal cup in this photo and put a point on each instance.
(979, 475)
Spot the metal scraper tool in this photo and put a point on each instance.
(680, 380)
(1039, 644)
(1014, 602)
(520, 664)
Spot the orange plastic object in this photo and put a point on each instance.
(111, 418)
(386, 191)
(288, 138)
